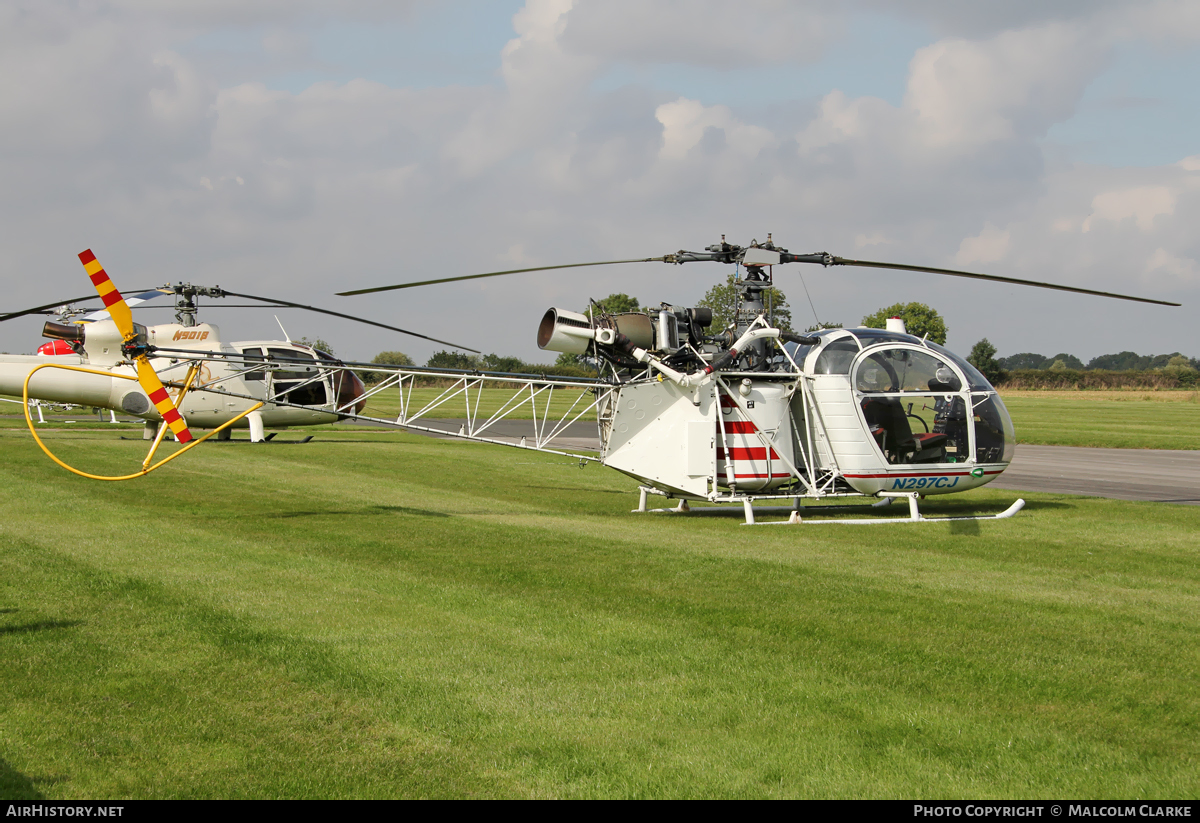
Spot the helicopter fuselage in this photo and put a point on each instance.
(862, 411)
(299, 385)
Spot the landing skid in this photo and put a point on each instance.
(796, 517)
(267, 439)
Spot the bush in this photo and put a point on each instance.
(1094, 379)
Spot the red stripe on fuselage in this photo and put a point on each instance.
(759, 453)
(920, 474)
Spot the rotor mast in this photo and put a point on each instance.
(185, 301)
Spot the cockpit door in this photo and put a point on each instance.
(914, 405)
(298, 379)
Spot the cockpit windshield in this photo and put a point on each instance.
(917, 410)
(836, 357)
(975, 379)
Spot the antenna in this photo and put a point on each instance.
(282, 329)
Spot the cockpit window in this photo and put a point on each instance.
(837, 357)
(905, 370)
(297, 364)
(975, 380)
(798, 352)
(298, 379)
(258, 374)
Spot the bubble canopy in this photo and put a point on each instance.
(921, 402)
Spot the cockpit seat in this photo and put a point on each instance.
(889, 425)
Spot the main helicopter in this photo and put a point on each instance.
(752, 412)
(743, 414)
(105, 360)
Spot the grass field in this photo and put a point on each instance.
(1107, 419)
(390, 616)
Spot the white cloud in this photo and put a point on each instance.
(1015, 85)
(1141, 204)
(840, 120)
(687, 122)
(989, 246)
(1163, 262)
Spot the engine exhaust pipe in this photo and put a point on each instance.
(570, 332)
(59, 331)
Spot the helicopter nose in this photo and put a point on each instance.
(350, 392)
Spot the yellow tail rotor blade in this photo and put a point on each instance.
(113, 301)
(161, 400)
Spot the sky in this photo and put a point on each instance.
(296, 149)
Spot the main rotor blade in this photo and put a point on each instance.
(129, 301)
(842, 261)
(350, 317)
(499, 273)
(47, 309)
(54, 305)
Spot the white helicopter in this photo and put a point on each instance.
(105, 360)
(754, 413)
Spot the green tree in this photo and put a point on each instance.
(494, 362)
(1070, 361)
(1123, 361)
(316, 343)
(983, 357)
(919, 319)
(618, 303)
(452, 360)
(819, 326)
(1024, 360)
(723, 300)
(385, 358)
(1182, 369)
(392, 358)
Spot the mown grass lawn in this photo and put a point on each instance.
(1107, 419)
(390, 616)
